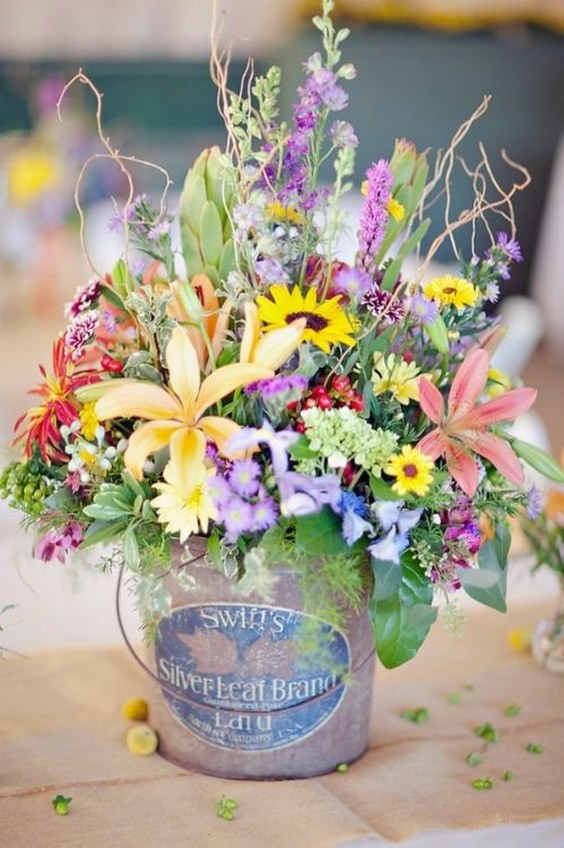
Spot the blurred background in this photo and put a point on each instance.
(423, 67)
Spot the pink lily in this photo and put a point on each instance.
(464, 427)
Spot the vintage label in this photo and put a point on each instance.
(233, 676)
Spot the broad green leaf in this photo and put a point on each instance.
(122, 279)
(478, 578)
(502, 543)
(301, 449)
(493, 596)
(413, 240)
(319, 534)
(387, 578)
(100, 512)
(192, 201)
(402, 620)
(227, 261)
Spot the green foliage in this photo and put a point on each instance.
(488, 584)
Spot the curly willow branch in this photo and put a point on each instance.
(114, 155)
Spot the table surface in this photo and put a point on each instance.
(62, 732)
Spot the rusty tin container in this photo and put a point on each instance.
(238, 700)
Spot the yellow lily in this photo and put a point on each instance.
(270, 349)
(173, 413)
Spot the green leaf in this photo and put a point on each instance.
(211, 234)
(105, 512)
(391, 274)
(227, 262)
(538, 459)
(102, 531)
(301, 449)
(494, 595)
(413, 240)
(381, 490)
(112, 296)
(387, 578)
(191, 251)
(319, 534)
(122, 279)
(192, 201)
(130, 549)
(402, 621)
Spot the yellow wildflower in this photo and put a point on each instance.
(395, 209)
(89, 421)
(30, 173)
(412, 470)
(498, 383)
(394, 375)
(449, 290)
(284, 213)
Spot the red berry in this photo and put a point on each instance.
(408, 356)
(115, 366)
(324, 402)
(105, 362)
(292, 405)
(309, 403)
(340, 383)
(300, 426)
(319, 391)
(350, 394)
(357, 403)
(348, 473)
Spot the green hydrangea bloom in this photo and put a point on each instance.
(341, 435)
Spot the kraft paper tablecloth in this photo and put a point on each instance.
(61, 731)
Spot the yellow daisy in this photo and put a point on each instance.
(327, 323)
(89, 421)
(453, 291)
(394, 375)
(412, 470)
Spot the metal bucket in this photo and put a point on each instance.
(239, 699)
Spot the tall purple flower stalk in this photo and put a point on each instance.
(374, 214)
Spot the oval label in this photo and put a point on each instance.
(233, 675)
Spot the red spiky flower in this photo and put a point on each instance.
(58, 406)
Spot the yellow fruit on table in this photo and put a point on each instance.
(520, 638)
(135, 709)
(142, 740)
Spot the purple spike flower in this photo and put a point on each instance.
(374, 214)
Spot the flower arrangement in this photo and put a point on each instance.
(255, 389)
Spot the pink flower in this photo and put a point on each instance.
(464, 427)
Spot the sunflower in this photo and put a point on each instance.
(327, 323)
(450, 290)
(412, 470)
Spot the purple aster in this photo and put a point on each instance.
(534, 503)
(382, 304)
(280, 384)
(374, 215)
(237, 517)
(423, 309)
(84, 298)
(342, 135)
(265, 514)
(510, 247)
(80, 332)
(354, 282)
(243, 477)
(219, 490)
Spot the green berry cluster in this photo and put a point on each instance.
(25, 487)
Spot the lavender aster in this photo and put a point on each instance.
(265, 514)
(354, 282)
(510, 247)
(342, 135)
(237, 517)
(280, 384)
(534, 503)
(423, 309)
(243, 477)
(374, 214)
